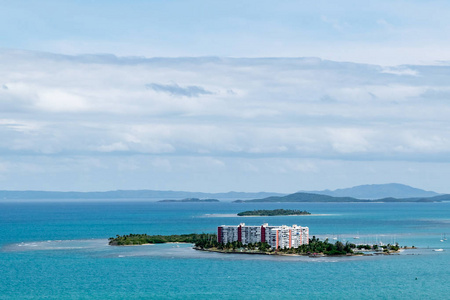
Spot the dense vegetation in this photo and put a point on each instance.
(338, 248)
(274, 212)
(203, 239)
(315, 246)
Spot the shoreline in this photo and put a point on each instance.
(236, 216)
(148, 244)
(275, 253)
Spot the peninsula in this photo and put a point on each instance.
(144, 239)
(274, 212)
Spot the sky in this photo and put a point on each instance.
(218, 96)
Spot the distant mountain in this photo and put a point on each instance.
(377, 191)
(190, 200)
(308, 197)
(303, 197)
(130, 194)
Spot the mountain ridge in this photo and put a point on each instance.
(389, 192)
(378, 191)
(130, 194)
(309, 197)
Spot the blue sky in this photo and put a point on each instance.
(104, 95)
(381, 32)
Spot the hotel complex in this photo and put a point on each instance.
(276, 236)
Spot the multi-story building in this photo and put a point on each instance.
(276, 236)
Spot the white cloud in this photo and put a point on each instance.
(400, 71)
(60, 101)
(99, 106)
(349, 140)
(336, 24)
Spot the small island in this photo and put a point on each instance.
(273, 212)
(191, 200)
(315, 248)
(208, 242)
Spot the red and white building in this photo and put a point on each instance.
(276, 236)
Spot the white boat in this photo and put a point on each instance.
(438, 250)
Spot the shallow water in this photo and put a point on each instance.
(59, 250)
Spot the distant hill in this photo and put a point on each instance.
(308, 197)
(130, 194)
(377, 191)
(190, 200)
(304, 197)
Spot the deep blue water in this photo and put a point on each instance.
(59, 250)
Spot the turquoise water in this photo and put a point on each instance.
(59, 250)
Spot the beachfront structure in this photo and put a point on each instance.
(276, 236)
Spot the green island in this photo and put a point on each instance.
(274, 212)
(208, 242)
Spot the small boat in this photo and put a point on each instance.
(438, 250)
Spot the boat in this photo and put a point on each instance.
(438, 250)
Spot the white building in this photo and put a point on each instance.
(276, 236)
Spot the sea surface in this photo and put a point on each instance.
(59, 250)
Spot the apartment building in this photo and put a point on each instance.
(276, 236)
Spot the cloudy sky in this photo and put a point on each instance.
(218, 96)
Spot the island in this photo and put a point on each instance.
(314, 248)
(310, 197)
(274, 212)
(208, 242)
(191, 200)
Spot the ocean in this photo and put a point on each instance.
(59, 250)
